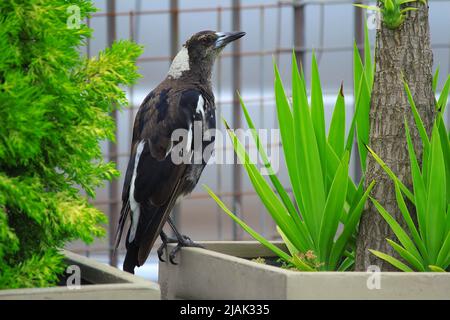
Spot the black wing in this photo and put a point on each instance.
(157, 178)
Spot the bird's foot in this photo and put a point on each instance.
(165, 240)
(185, 241)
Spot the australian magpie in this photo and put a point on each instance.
(154, 180)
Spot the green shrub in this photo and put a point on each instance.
(425, 246)
(54, 111)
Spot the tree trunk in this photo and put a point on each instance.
(403, 50)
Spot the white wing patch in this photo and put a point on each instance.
(201, 106)
(134, 205)
(179, 64)
(189, 139)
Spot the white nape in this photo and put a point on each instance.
(179, 64)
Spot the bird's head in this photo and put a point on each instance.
(199, 53)
(208, 44)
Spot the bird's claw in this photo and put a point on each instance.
(185, 242)
(165, 240)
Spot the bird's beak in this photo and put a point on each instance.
(225, 38)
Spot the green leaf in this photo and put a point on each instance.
(444, 252)
(417, 119)
(275, 182)
(298, 235)
(349, 229)
(336, 134)
(420, 197)
(409, 257)
(346, 264)
(410, 223)
(445, 144)
(401, 235)
(289, 245)
(284, 115)
(307, 156)
(436, 79)
(436, 198)
(436, 268)
(396, 263)
(318, 115)
(333, 208)
(368, 62)
(392, 175)
(442, 102)
(248, 229)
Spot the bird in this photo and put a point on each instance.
(155, 179)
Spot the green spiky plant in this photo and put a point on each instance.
(54, 111)
(317, 163)
(393, 12)
(425, 247)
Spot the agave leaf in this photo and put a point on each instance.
(284, 115)
(420, 196)
(318, 115)
(436, 268)
(333, 208)
(336, 134)
(349, 228)
(444, 253)
(392, 175)
(289, 245)
(401, 235)
(283, 255)
(442, 102)
(411, 226)
(436, 79)
(307, 156)
(417, 119)
(301, 265)
(368, 62)
(373, 8)
(275, 181)
(436, 198)
(273, 204)
(395, 262)
(346, 264)
(362, 121)
(445, 144)
(405, 254)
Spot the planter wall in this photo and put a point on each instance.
(221, 272)
(105, 281)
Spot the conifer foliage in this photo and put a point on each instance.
(54, 111)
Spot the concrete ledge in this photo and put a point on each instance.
(220, 272)
(108, 283)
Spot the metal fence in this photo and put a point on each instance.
(229, 183)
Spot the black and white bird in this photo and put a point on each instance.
(154, 181)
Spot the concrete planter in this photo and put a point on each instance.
(105, 283)
(221, 272)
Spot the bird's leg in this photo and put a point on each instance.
(183, 241)
(165, 240)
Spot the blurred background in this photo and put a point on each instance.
(274, 29)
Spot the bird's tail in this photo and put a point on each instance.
(122, 221)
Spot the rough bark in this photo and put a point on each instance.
(406, 49)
